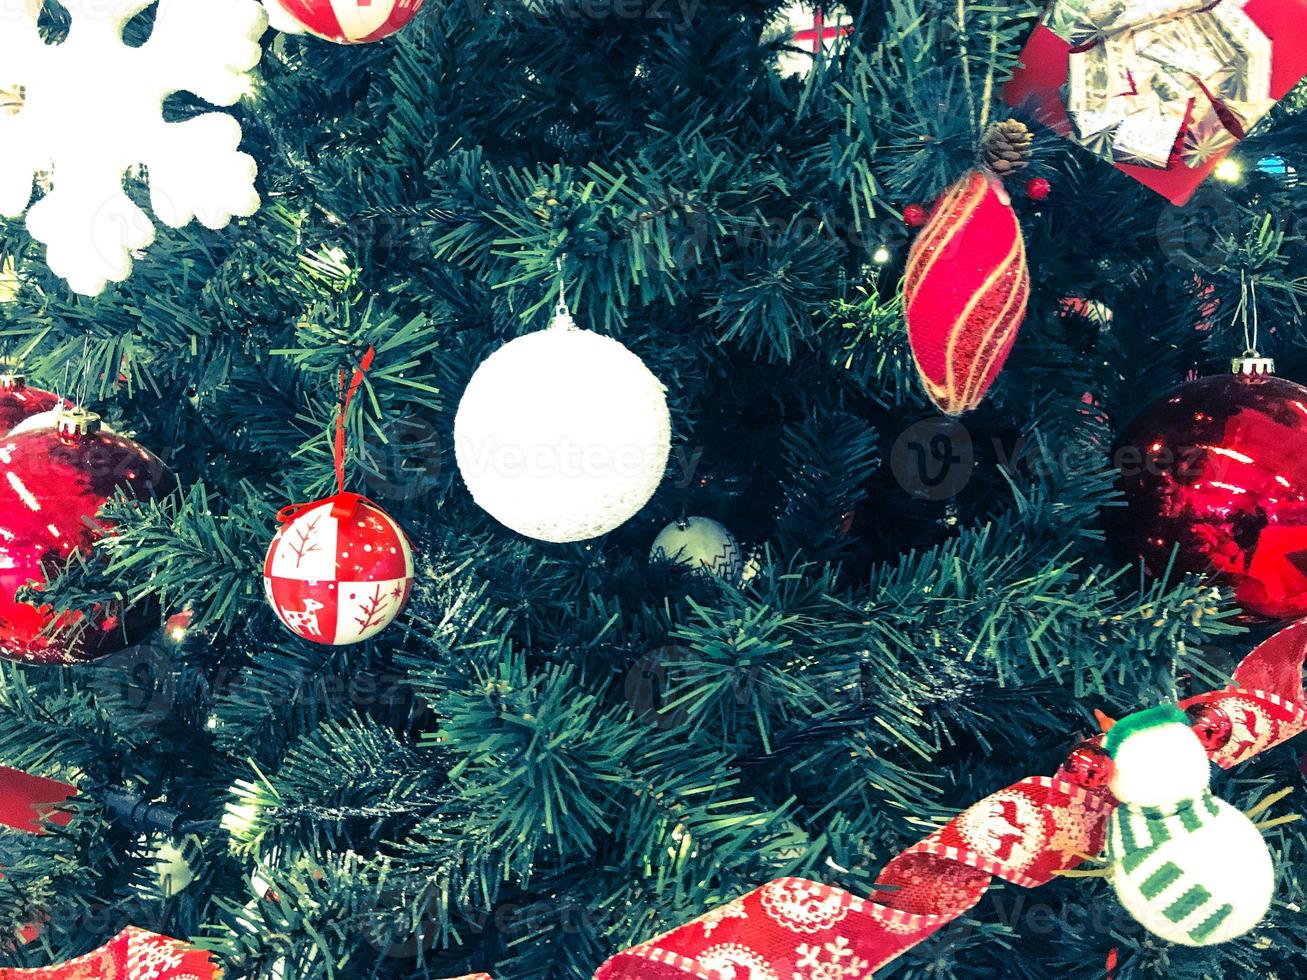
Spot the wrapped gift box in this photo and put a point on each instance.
(1164, 89)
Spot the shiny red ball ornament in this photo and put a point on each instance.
(1038, 189)
(914, 216)
(1212, 725)
(18, 402)
(1216, 472)
(53, 482)
(352, 21)
(1088, 766)
(339, 571)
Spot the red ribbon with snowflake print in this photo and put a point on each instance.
(133, 954)
(26, 803)
(792, 929)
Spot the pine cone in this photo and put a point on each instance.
(1006, 147)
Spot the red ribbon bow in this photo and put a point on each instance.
(343, 504)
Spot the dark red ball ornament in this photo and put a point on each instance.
(1212, 725)
(18, 402)
(1088, 766)
(53, 482)
(1038, 189)
(1216, 471)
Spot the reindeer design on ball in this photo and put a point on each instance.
(304, 621)
(1187, 865)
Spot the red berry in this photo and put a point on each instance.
(914, 215)
(1088, 766)
(1038, 189)
(1212, 725)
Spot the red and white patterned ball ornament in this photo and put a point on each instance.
(339, 571)
(350, 21)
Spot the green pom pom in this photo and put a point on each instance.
(1142, 721)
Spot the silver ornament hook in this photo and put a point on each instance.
(562, 315)
(1248, 297)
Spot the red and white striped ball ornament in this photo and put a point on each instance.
(349, 21)
(339, 571)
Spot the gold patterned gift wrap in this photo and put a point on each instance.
(1167, 86)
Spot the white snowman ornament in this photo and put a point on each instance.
(1188, 866)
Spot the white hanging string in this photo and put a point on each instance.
(1252, 291)
(1251, 328)
(85, 387)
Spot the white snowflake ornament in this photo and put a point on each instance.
(92, 108)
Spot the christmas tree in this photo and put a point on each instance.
(558, 751)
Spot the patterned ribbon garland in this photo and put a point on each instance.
(794, 929)
(133, 954)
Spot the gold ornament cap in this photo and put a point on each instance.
(75, 423)
(1250, 363)
(12, 381)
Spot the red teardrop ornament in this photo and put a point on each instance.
(965, 291)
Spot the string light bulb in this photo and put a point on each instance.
(1229, 171)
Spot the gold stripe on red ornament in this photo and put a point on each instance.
(957, 203)
(996, 339)
(965, 289)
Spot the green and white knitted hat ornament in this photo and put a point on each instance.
(1188, 866)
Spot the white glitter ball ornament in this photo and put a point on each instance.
(702, 544)
(562, 435)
